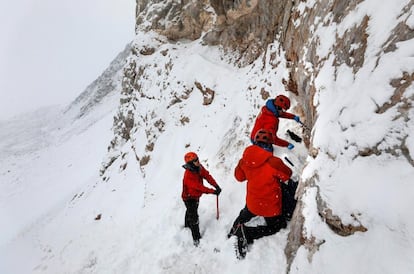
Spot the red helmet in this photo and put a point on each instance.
(190, 156)
(263, 136)
(282, 101)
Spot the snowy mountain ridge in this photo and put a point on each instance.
(350, 78)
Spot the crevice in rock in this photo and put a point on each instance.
(400, 84)
(341, 8)
(402, 32)
(396, 151)
(296, 237)
(350, 48)
(335, 223)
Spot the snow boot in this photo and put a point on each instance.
(234, 231)
(195, 233)
(241, 244)
(241, 249)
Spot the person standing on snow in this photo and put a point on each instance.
(193, 188)
(264, 174)
(268, 118)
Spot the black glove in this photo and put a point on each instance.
(217, 191)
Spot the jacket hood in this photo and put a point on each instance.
(191, 167)
(271, 107)
(255, 156)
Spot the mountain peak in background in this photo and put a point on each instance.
(102, 192)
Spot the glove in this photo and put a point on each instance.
(290, 146)
(217, 191)
(297, 119)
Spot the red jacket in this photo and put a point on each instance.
(268, 120)
(263, 172)
(193, 186)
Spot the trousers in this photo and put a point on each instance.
(273, 225)
(191, 218)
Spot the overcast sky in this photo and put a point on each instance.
(51, 50)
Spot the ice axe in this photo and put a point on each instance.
(217, 208)
(304, 126)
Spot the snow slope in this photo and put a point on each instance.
(141, 224)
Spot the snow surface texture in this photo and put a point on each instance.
(61, 217)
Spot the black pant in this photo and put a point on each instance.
(288, 199)
(191, 217)
(273, 225)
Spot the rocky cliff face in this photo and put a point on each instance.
(246, 26)
(249, 26)
(268, 31)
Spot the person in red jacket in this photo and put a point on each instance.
(268, 118)
(264, 174)
(193, 188)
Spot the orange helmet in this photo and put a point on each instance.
(282, 101)
(263, 136)
(190, 156)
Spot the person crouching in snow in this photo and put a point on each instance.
(268, 118)
(193, 188)
(264, 174)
